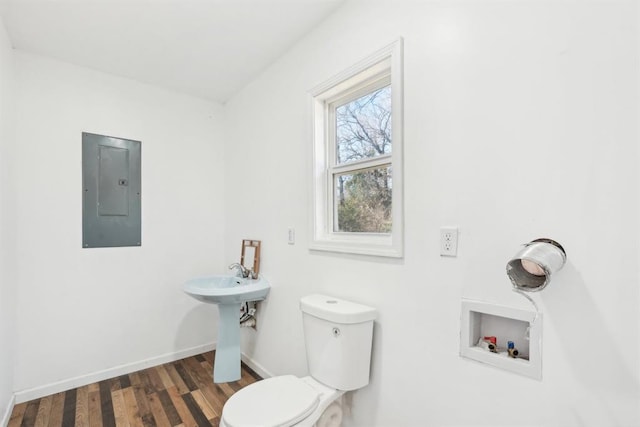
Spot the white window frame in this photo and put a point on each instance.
(378, 70)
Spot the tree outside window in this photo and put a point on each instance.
(363, 196)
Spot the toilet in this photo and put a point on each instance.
(338, 337)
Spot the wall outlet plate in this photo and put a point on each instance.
(449, 241)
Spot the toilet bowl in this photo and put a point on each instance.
(338, 337)
(284, 401)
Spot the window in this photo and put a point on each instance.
(357, 133)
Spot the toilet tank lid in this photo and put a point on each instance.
(336, 310)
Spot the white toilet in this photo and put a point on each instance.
(338, 337)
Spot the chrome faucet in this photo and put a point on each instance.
(242, 271)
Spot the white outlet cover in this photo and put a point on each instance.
(449, 241)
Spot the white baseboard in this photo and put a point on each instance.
(46, 390)
(7, 413)
(258, 368)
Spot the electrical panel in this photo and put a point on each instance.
(111, 191)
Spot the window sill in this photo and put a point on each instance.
(382, 247)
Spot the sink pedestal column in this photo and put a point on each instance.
(226, 366)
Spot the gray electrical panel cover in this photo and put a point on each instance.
(111, 186)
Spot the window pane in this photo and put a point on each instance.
(363, 127)
(363, 201)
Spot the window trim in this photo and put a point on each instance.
(387, 63)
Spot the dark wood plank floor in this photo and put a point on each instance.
(181, 393)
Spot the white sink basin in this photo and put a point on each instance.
(227, 289)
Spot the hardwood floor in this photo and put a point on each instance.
(181, 393)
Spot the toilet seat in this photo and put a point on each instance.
(279, 402)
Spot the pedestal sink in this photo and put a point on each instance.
(228, 292)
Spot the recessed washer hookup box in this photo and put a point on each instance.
(507, 324)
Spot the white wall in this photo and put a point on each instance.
(83, 311)
(7, 287)
(520, 123)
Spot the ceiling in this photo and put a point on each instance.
(207, 48)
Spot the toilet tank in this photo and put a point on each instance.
(338, 338)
